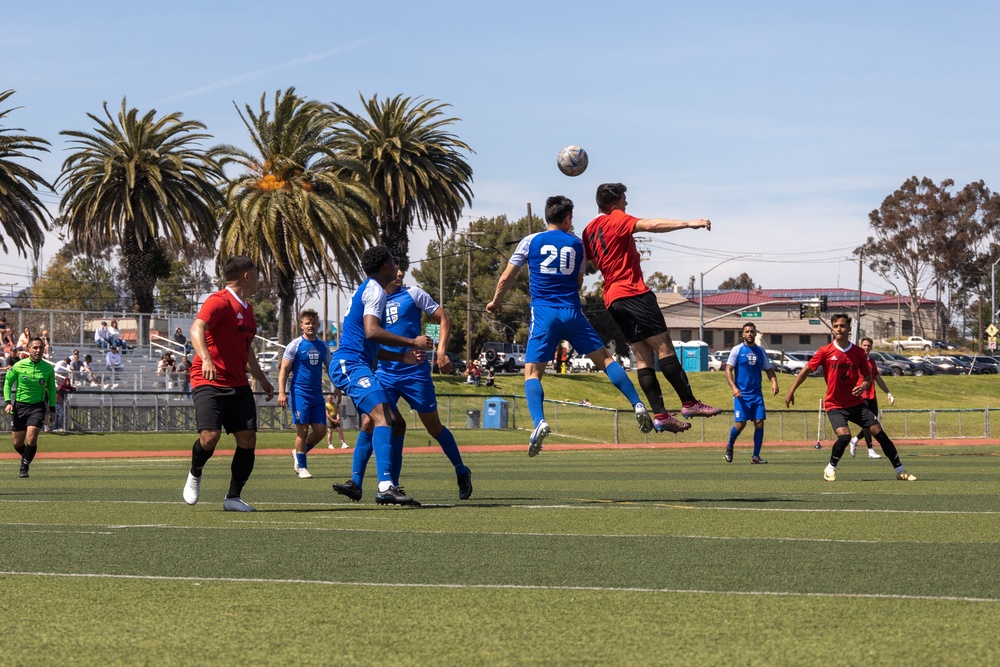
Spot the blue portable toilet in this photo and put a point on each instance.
(694, 356)
(495, 413)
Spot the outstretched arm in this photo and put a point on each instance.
(661, 225)
(506, 280)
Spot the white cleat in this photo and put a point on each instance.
(872, 454)
(535, 442)
(236, 505)
(854, 447)
(304, 474)
(644, 418)
(330, 446)
(192, 489)
(830, 474)
(344, 445)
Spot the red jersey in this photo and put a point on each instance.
(870, 391)
(609, 244)
(844, 370)
(230, 328)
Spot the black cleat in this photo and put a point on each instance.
(729, 454)
(757, 459)
(24, 470)
(394, 496)
(465, 485)
(349, 489)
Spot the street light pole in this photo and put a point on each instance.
(993, 295)
(701, 293)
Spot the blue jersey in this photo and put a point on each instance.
(308, 358)
(748, 362)
(354, 347)
(403, 313)
(555, 260)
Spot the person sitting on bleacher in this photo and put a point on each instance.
(114, 364)
(115, 337)
(87, 371)
(101, 335)
(165, 367)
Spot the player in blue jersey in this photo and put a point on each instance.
(743, 368)
(556, 260)
(404, 309)
(304, 360)
(352, 369)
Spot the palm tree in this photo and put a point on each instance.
(23, 217)
(134, 180)
(298, 208)
(415, 165)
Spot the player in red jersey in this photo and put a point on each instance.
(610, 246)
(221, 335)
(871, 399)
(847, 378)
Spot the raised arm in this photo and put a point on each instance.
(662, 225)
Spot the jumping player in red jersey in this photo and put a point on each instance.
(222, 334)
(610, 246)
(847, 378)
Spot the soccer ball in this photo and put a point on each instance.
(572, 161)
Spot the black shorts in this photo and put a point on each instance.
(231, 408)
(639, 317)
(28, 414)
(872, 404)
(858, 414)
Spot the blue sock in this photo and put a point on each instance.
(758, 440)
(396, 465)
(300, 457)
(450, 448)
(619, 378)
(382, 446)
(362, 452)
(733, 434)
(535, 395)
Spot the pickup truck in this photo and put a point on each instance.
(913, 343)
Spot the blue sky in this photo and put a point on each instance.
(785, 123)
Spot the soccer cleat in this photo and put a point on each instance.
(393, 496)
(830, 474)
(667, 422)
(904, 476)
(329, 445)
(699, 409)
(854, 447)
(757, 459)
(535, 442)
(872, 454)
(464, 484)
(729, 454)
(344, 445)
(236, 505)
(642, 416)
(295, 461)
(192, 489)
(349, 489)
(304, 474)
(23, 474)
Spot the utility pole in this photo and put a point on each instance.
(857, 330)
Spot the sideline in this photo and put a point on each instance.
(488, 449)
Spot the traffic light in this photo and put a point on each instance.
(803, 311)
(822, 304)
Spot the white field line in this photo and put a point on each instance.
(515, 587)
(105, 529)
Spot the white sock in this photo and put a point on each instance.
(384, 486)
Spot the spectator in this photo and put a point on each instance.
(62, 391)
(490, 377)
(101, 336)
(477, 373)
(4, 332)
(470, 377)
(183, 372)
(115, 337)
(46, 344)
(64, 367)
(181, 340)
(114, 364)
(165, 367)
(76, 365)
(87, 371)
(22, 341)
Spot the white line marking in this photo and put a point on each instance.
(515, 587)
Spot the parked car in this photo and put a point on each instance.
(892, 364)
(920, 367)
(948, 365)
(980, 365)
(797, 360)
(717, 360)
(942, 345)
(913, 343)
(457, 365)
(502, 356)
(269, 360)
(580, 362)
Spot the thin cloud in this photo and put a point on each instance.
(249, 76)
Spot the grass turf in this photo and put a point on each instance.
(622, 557)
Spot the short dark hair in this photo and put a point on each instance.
(556, 209)
(749, 324)
(308, 313)
(236, 266)
(374, 259)
(866, 338)
(841, 316)
(608, 194)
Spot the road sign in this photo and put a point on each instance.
(750, 313)
(815, 322)
(993, 343)
(432, 331)
(992, 331)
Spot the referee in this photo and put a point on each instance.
(36, 380)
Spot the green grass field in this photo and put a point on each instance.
(626, 557)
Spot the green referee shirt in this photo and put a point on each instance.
(33, 381)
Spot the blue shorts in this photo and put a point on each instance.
(550, 326)
(748, 410)
(359, 383)
(416, 387)
(307, 409)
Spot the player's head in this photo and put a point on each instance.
(841, 324)
(309, 321)
(609, 194)
(866, 344)
(241, 269)
(559, 211)
(749, 333)
(375, 259)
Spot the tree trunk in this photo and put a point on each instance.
(139, 264)
(285, 285)
(393, 234)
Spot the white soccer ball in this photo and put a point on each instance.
(572, 161)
